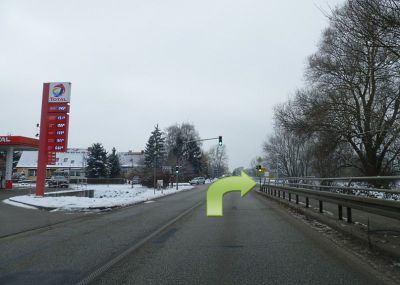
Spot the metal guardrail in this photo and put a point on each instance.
(342, 196)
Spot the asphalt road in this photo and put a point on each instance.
(15, 219)
(254, 243)
(67, 252)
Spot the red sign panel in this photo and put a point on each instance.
(57, 147)
(58, 118)
(51, 158)
(58, 108)
(57, 132)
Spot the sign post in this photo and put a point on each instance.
(54, 124)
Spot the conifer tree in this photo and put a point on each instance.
(97, 165)
(114, 164)
(154, 153)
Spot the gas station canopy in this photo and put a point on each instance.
(9, 144)
(18, 143)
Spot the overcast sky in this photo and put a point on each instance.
(220, 65)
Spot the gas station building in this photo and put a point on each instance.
(9, 144)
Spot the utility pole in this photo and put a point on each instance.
(177, 174)
(132, 172)
(155, 169)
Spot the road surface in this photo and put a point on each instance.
(254, 243)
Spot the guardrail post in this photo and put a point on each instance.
(340, 212)
(307, 202)
(321, 208)
(279, 193)
(349, 218)
(290, 197)
(283, 195)
(297, 199)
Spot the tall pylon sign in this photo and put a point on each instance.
(54, 123)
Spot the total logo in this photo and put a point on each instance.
(58, 90)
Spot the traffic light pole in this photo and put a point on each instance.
(209, 139)
(219, 138)
(177, 180)
(177, 173)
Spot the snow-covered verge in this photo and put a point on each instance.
(105, 196)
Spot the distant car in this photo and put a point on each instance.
(197, 180)
(58, 181)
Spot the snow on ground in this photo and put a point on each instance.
(105, 196)
(23, 185)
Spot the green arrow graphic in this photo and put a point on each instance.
(218, 189)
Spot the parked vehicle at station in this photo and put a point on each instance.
(58, 181)
(197, 180)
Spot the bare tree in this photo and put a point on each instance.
(354, 86)
(288, 154)
(218, 160)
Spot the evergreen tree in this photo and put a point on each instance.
(114, 164)
(97, 165)
(16, 157)
(154, 158)
(154, 153)
(194, 157)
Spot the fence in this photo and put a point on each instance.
(106, 181)
(348, 192)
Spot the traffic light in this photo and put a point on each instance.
(177, 169)
(220, 140)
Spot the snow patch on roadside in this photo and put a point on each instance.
(105, 196)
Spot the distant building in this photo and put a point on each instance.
(71, 164)
(130, 161)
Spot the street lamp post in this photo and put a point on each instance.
(132, 173)
(155, 170)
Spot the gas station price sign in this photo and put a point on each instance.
(58, 117)
(51, 158)
(54, 125)
(58, 108)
